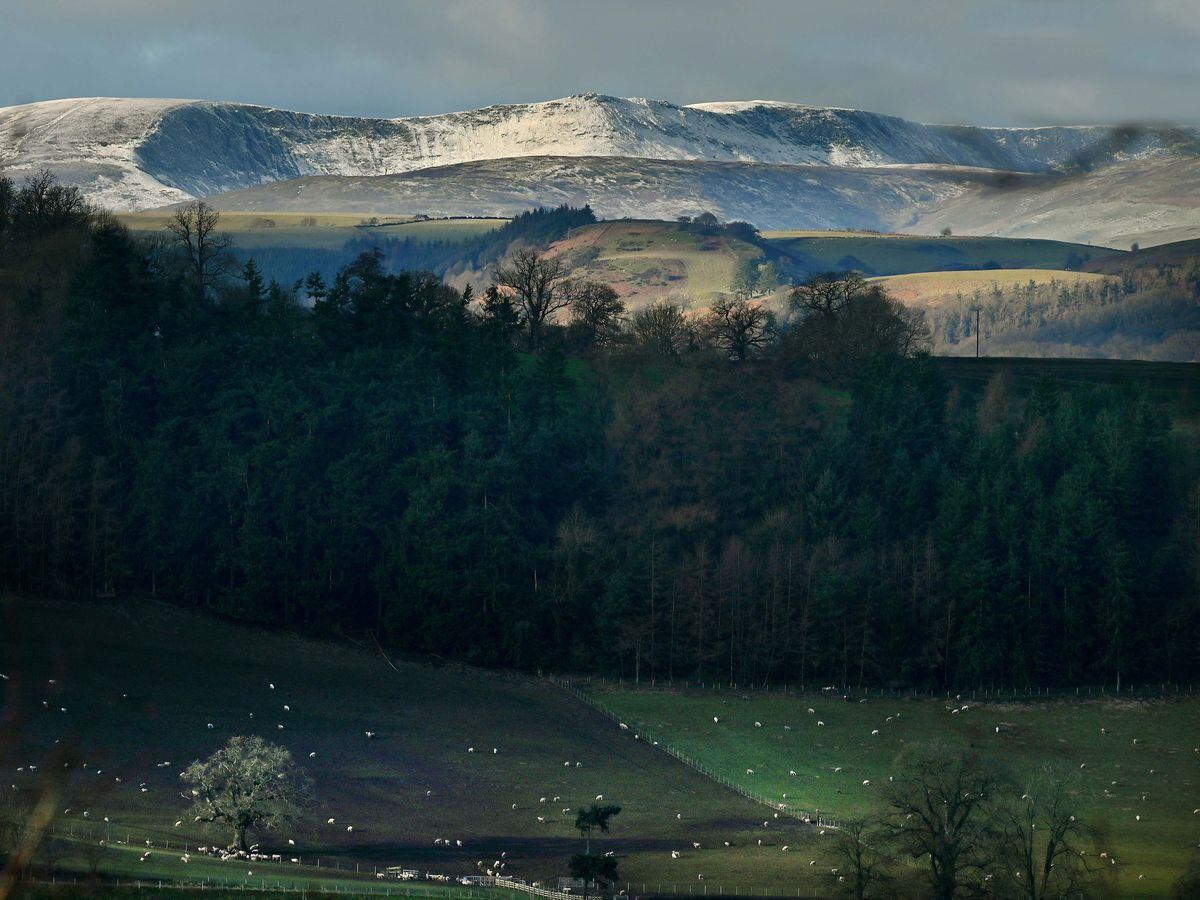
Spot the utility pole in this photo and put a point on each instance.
(977, 332)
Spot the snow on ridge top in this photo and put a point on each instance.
(135, 153)
(737, 106)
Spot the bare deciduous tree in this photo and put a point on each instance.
(596, 312)
(540, 286)
(859, 848)
(662, 328)
(205, 250)
(844, 321)
(1043, 840)
(246, 784)
(940, 813)
(738, 326)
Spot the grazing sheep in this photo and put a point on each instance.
(674, 854)
(695, 845)
(369, 734)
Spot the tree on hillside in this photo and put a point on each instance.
(204, 249)
(1043, 839)
(594, 818)
(859, 846)
(592, 868)
(499, 315)
(842, 321)
(662, 328)
(738, 326)
(596, 312)
(540, 288)
(248, 783)
(941, 813)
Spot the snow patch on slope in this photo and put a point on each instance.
(140, 153)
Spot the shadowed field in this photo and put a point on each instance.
(140, 684)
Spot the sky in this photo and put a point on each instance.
(1000, 62)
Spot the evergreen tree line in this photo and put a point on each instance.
(732, 497)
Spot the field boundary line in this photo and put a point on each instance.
(816, 819)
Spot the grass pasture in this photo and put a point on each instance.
(321, 231)
(141, 682)
(883, 254)
(1145, 763)
(935, 288)
(646, 261)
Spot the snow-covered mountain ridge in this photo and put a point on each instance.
(137, 153)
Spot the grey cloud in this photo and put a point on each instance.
(1001, 62)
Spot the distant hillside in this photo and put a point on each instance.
(133, 153)
(646, 261)
(1175, 254)
(901, 254)
(770, 196)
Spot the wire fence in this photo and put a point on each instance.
(815, 817)
(314, 872)
(274, 885)
(1149, 690)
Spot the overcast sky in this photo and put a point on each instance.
(997, 62)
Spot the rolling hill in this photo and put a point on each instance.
(138, 684)
(776, 164)
(140, 689)
(1134, 760)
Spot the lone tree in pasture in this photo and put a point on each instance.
(594, 818)
(205, 250)
(1042, 840)
(248, 783)
(589, 868)
(540, 288)
(942, 813)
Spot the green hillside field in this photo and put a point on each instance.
(885, 254)
(1135, 763)
(141, 682)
